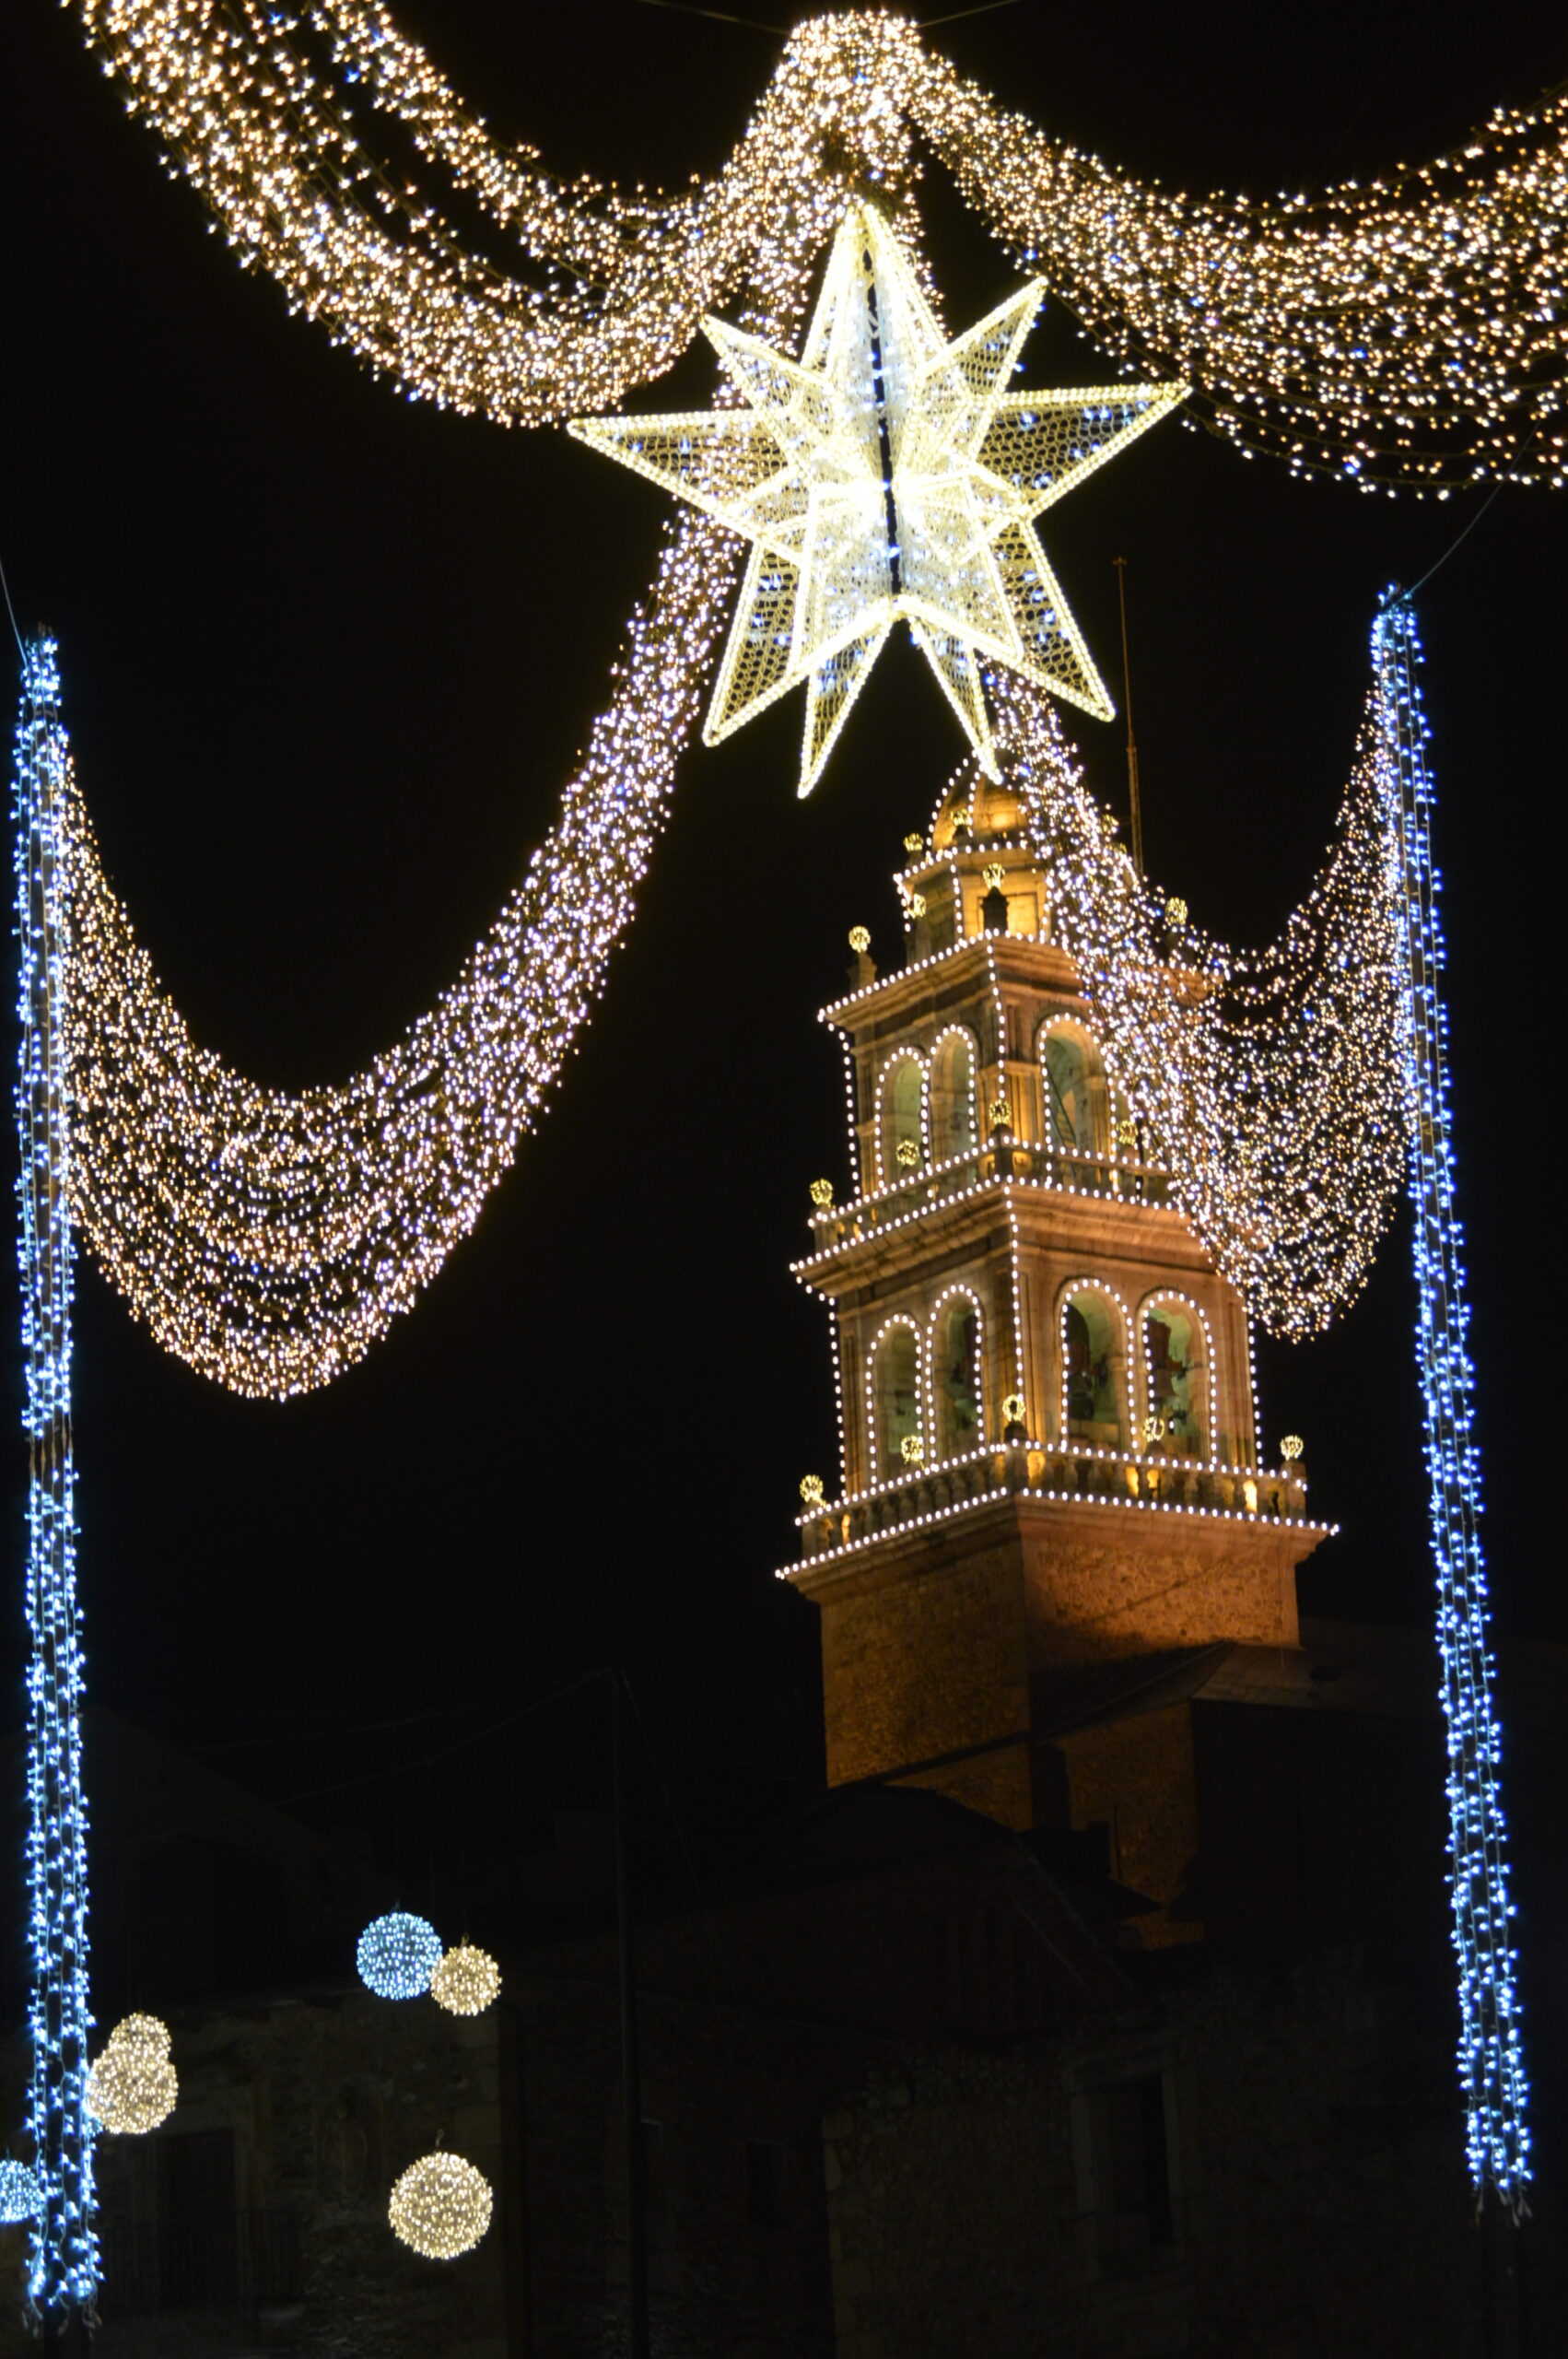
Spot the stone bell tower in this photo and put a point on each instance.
(1051, 1479)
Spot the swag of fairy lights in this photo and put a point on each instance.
(1412, 332)
(268, 1239)
(1268, 1081)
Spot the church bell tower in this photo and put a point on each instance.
(1052, 1483)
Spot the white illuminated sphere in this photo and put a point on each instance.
(466, 1980)
(134, 2087)
(440, 2206)
(21, 2198)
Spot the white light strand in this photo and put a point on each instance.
(1411, 332)
(1492, 2068)
(269, 1239)
(63, 2255)
(1268, 1081)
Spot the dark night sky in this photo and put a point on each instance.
(328, 655)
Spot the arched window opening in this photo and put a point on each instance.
(952, 1098)
(956, 1378)
(902, 1091)
(1172, 1342)
(1077, 1100)
(1089, 1357)
(897, 1394)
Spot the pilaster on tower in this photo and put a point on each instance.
(1050, 1464)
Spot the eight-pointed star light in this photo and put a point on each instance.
(887, 473)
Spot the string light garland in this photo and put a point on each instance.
(1267, 1082)
(398, 1955)
(134, 2087)
(466, 1981)
(887, 475)
(1412, 332)
(63, 2255)
(440, 2206)
(1492, 2068)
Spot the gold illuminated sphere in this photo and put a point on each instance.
(1176, 910)
(914, 846)
(466, 1981)
(917, 905)
(1001, 1113)
(911, 1449)
(1013, 1409)
(440, 2206)
(1154, 1428)
(811, 1490)
(993, 873)
(822, 1194)
(1291, 1449)
(860, 940)
(908, 1153)
(885, 475)
(134, 2087)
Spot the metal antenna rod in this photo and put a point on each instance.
(1131, 741)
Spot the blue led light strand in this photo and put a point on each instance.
(63, 2260)
(1492, 2070)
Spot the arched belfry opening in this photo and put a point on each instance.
(953, 1096)
(902, 1135)
(896, 1398)
(1177, 1378)
(1078, 1111)
(1091, 1367)
(956, 1381)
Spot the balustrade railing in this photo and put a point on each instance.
(1002, 1157)
(1057, 1471)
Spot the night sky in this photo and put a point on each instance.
(328, 655)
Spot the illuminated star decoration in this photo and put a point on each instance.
(887, 473)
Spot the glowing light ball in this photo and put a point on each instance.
(466, 1980)
(1291, 1449)
(860, 940)
(811, 1490)
(822, 1194)
(1176, 910)
(21, 2198)
(397, 1955)
(909, 1155)
(993, 876)
(1013, 1408)
(912, 1449)
(440, 2206)
(914, 846)
(134, 2087)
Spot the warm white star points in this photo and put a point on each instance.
(888, 474)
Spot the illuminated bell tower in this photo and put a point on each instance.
(1051, 1480)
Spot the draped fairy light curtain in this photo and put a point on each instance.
(269, 1239)
(1268, 1081)
(1412, 332)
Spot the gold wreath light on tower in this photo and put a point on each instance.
(888, 474)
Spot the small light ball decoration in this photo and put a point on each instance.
(860, 940)
(821, 1194)
(914, 846)
(1000, 1112)
(811, 1490)
(466, 1981)
(134, 2087)
(22, 2197)
(398, 1955)
(1154, 1429)
(912, 1449)
(1291, 1449)
(909, 1155)
(1013, 1409)
(1176, 910)
(993, 876)
(440, 2207)
(917, 905)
